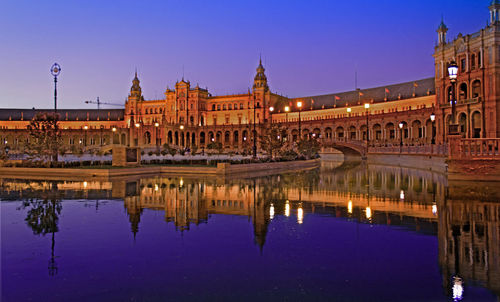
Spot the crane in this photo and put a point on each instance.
(104, 103)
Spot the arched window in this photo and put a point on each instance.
(476, 88)
(462, 92)
(473, 62)
(241, 106)
(213, 107)
(147, 138)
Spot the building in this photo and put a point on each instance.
(384, 116)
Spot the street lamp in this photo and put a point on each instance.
(85, 140)
(299, 105)
(137, 125)
(55, 70)
(367, 106)
(452, 72)
(400, 136)
(287, 109)
(433, 131)
(271, 109)
(156, 136)
(181, 127)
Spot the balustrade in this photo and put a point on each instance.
(481, 148)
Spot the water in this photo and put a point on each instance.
(348, 233)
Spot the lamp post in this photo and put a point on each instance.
(452, 72)
(299, 105)
(86, 128)
(113, 135)
(157, 125)
(433, 131)
(400, 136)
(254, 131)
(137, 125)
(287, 109)
(182, 133)
(55, 70)
(367, 106)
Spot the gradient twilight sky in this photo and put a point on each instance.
(308, 47)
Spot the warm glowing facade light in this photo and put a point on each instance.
(367, 106)
(401, 125)
(299, 104)
(181, 182)
(434, 209)
(433, 117)
(287, 108)
(349, 207)
(181, 127)
(137, 125)
(85, 184)
(402, 195)
(113, 129)
(349, 109)
(271, 211)
(86, 127)
(271, 108)
(157, 124)
(156, 187)
(368, 213)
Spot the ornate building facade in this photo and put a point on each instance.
(382, 116)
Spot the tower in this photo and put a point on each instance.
(494, 11)
(260, 79)
(442, 30)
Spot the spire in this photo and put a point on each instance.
(442, 30)
(135, 90)
(260, 79)
(494, 11)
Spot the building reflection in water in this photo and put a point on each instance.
(467, 224)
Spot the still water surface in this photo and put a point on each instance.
(348, 233)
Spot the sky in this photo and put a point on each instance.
(308, 47)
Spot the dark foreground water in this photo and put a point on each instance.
(349, 233)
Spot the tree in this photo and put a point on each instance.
(45, 138)
(272, 140)
(308, 147)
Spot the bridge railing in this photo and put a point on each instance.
(477, 148)
(423, 149)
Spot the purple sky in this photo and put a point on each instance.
(308, 47)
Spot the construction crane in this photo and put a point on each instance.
(104, 103)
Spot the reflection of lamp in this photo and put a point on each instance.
(458, 289)
(156, 187)
(300, 215)
(271, 211)
(85, 184)
(402, 195)
(349, 207)
(181, 182)
(287, 209)
(434, 209)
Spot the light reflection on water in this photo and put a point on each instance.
(464, 218)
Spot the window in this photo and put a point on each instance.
(241, 106)
(463, 65)
(224, 107)
(218, 107)
(213, 107)
(479, 63)
(230, 106)
(473, 62)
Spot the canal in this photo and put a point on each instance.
(342, 232)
